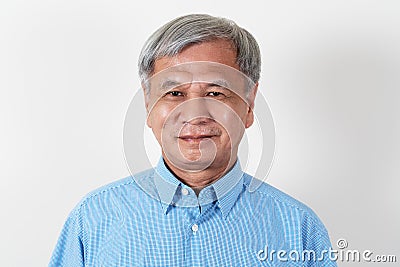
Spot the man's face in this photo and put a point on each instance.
(199, 125)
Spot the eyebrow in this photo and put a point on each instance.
(167, 84)
(222, 83)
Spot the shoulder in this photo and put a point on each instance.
(269, 197)
(112, 194)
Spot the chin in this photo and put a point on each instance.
(192, 156)
(197, 158)
(191, 161)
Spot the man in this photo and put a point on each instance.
(200, 77)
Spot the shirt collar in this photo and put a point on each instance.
(172, 192)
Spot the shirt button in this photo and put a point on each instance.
(185, 192)
(195, 227)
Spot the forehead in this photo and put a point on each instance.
(219, 51)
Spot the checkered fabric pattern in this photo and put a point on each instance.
(152, 219)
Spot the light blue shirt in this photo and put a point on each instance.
(153, 219)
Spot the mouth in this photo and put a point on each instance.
(194, 134)
(195, 138)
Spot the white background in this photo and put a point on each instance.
(331, 73)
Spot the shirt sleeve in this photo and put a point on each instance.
(69, 251)
(317, 245)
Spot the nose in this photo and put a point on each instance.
(195, 111)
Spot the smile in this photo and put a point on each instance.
(195, 138)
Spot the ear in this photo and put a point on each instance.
(146, 103)
(146, 96)
(250, 102)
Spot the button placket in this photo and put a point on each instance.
(185, 191)
(195, 228)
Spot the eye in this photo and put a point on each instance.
(214, 93)
(174, 93)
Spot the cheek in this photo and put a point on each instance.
(236, 116)
(242, 111)
(158, 117)
(233, 127)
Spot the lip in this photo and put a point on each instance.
(195, 137)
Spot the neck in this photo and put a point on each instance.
(199, 179)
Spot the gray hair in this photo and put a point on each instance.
(181, 32)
